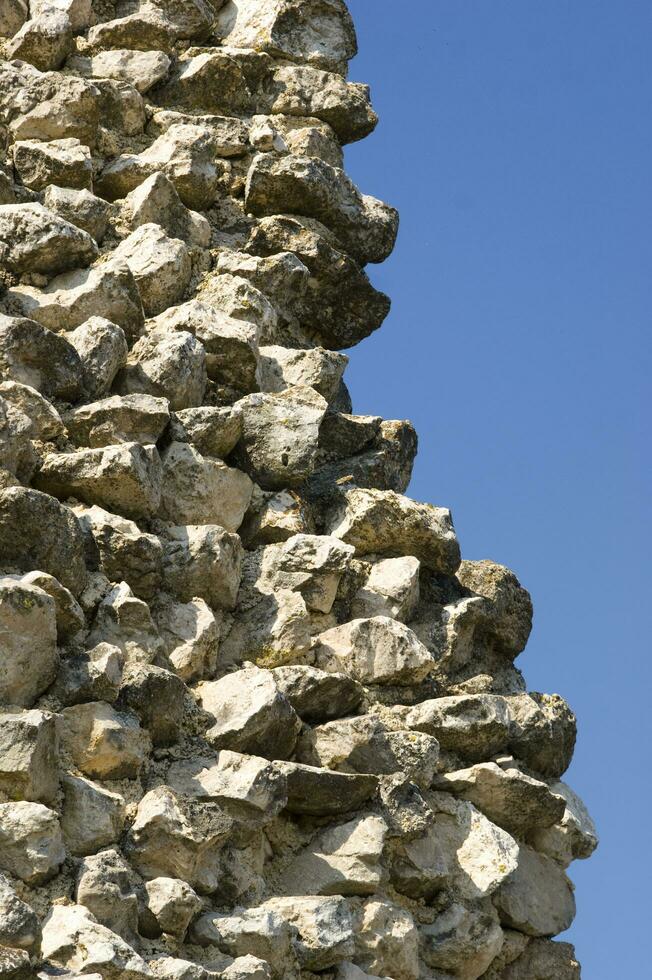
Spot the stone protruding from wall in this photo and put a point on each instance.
(258, 720)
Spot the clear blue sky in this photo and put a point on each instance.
(516, 141)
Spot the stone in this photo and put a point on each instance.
(172, 905)
(124, 477)
(79, 207)
(31, 354)
(155, 24)
(13, 18)
(31, 844)
(316, 695)
(125, 621)
(102, 742)
(33, 239)
(387, 940)
(542, 960)
(108, 290)
(120, 418)
(542, 733)
(157, 697)
(28, 642)
(574, 836)
(176, 838)
(19, 925)
(258, 931)
(212, 431)
(157, 200)
(202, 561)
(343, 860)
(75, 941)
(537, 898)
(377, 522)
(391, 589)
(37, 532)
(190, 635)
(16, 449)
(321, 34)
(102, 348)
(324, 928)
(231, 344)
(200, 490)
(68, 613)
(92, 817)
(280, 434)
(320, 792)
(317, 368)
(15, 964)
(305, 186)
(78, 11)
(250, 714)
(307, 563)
(45, 41)
(236, 297)
(121, 550)
(374, 651)
(508, 797)
(510, 620)
(92, 676)
(461, 938)
(269, 631)
(160, 265)
(173, 968)
(142, 69)
(105, 886)
(274, 517)
(249, 788)
(45, 421)
(475, 727)
(300, 90)
(28, 756)
(166, 365)
(66, 163)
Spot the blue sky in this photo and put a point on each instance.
(516, 141)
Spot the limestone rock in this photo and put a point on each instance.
(33, 239)
(102, 348)
(202, 561)
(249, 788)
(190, 635)
(44, 42)
(305, 91)
(167, 365)
(92, 816)
(259, 931)
(79, 207)
(321, 792)
(172, 905)
(126, 418)
(37, 532)
(212, 431)
(374, 651)
(19, 925)
(574, 836)
(156, 696)
(474, 726)
(274, 517)
(324, 929)
(105, 886)
(251, 714)
(31, 844)
(68, 613)
(391, 589)
(200, 490)
(103, 742)
(91, 676)
(122, 550)
(387, 940)
(78, 11)
(156, 201)
(281, 368)
(65, 163)
(155, 24)
(45, 421)
(13, 18)
(542, 960)
(462, 938)
(125, 621)
(538, 898)
(142, 69)
(74, 940)
(28, 642)
(316, 695)
(28, 756)
(160, 265)
(32, 355)
(542, 732)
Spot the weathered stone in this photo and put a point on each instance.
(69, 614)
(19, 925)
(125, 478)
(542, 732)
(108, 290)
(80, 208)
(281, 368)
(34, 239)
(157, 697)
(79, 12)
(251, 714)
(541, 960)
(13, 17)
(374, 651)
(200, 490)
(92, 816)
(366, 227)
(274, 517)
(190, 635)
(173, 837)
(167, 365)
(321, 792)
(344, 860)
(45, 421)
(574, 836)
(463, 939)
(160, 265)
(261, 932)
(102, 348)
(212, 431)
(126, 621)
(66, 163)
(155, 24)
(538, 898)
(142, 69)
(28, 756)
(91, 676)
(376, 521)
(280, 434)
(74, 940)
(157, 200)
(387, 940)
(272, 630)
(391, 589)
(103, 742)
(31, 845)
(122, 550)
(28, 642)
(32, 355)
(202, 561)
(172, 904)
(324, 929)
(37, 532)
(105, 886)
(474, 726)
(45, 41)
(240, 300)
(316, 695)
(126, 418)
(16, 449)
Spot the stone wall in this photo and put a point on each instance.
(258, 718)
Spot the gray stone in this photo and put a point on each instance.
(102, 348)
(75, 941)
(66, 163)
(167, 365)
(19, 925)
(538, 898)
(200, 490)
(92, 817)
(123, 552)
(80, 208)
(120, 418)
(28, 647)
(32, 355)
(202, 561)
(31, 845)
(103, 742)
(28, 756)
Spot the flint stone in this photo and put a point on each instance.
(251, 714)
(125, 478)
(37, 532)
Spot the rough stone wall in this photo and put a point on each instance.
(258, 719)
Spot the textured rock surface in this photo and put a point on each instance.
(258, 720)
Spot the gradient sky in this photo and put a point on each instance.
(516, 141)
